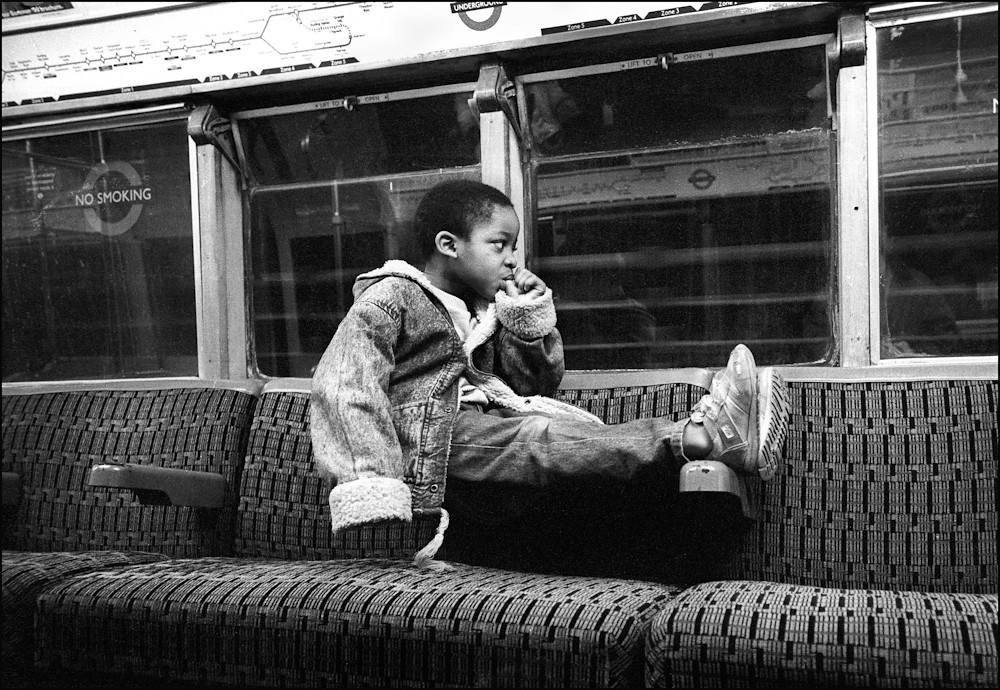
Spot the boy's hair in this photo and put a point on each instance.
(456, 207)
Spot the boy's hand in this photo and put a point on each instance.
(524, 281)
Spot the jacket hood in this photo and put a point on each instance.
(393, 268)
(397, 268)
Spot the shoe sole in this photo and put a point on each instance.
(772, 399)
(754, 442)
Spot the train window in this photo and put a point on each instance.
(333, 192)
(683, 204)
(98, 255)
(937, 90)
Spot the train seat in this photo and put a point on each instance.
(874, 563)
(56, 525)
(296, 605)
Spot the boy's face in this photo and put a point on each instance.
(486, 259)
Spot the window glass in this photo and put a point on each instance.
(937, 90)
(391, 137)
(335, 196)
(678, 212)
(98, 255)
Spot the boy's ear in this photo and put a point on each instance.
(445, 243)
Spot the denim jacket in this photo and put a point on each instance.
(385, 394)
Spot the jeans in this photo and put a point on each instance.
(558, 495)
(531, 451)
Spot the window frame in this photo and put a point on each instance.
(205, 310)
(662, 60)
(497, 164)
(879, 19)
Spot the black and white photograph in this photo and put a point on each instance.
(499, 345)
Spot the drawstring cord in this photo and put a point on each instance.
(424, 558)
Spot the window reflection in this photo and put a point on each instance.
(679, 212)
(937, 85)
(703, 101)
(334, 197)
(381, 138)
(98, 255)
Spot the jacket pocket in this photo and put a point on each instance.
(409, 423)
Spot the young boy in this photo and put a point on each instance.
(440, 376)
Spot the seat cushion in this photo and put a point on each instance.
(25, 574)
(349, 622)
(765, 634)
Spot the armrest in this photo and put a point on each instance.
(11, 489)
(163, 485)
(716, 477)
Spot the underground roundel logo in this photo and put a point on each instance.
(701, 179)
(112, 197)
(462, 9)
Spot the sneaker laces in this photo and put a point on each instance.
(711, 401)
(703, 408)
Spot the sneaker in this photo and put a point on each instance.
(746, 415)
(772, 420)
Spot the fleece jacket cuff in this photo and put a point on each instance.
(372, 499)
(529, 316)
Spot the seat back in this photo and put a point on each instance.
(284, 503)
(54, 433)
(284, 509)
(886, 485)
(621, 396)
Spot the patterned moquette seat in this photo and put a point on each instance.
(350, 623)
(875, 563)
(62, 527)
(283, 502)
(284, 511)
(299, 606)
